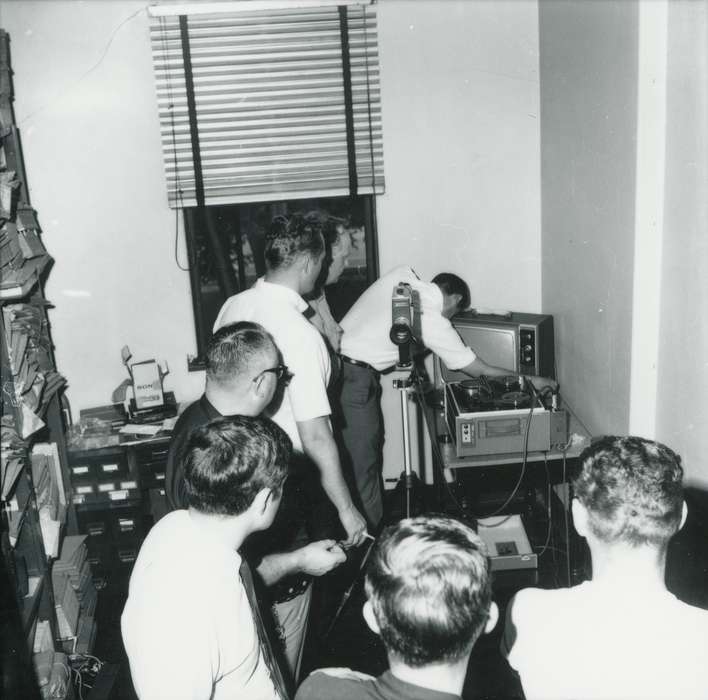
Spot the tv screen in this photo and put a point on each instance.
(495, 345)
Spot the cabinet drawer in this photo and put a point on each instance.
(152, 476)
(88, 468)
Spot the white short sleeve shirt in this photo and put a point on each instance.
(280, 311)
(187, 624)
(591, 643)
(368, 323)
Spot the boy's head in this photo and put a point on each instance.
(229, 461)
(629, 491)
(456, 293)
(429, 590)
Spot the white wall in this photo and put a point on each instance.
(682, 411)
(85, 105)
(624, 113)
(460, 102)
(588, 132)
(459, 84)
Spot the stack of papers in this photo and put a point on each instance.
(49, 490)
(73, 568)
(66, 604)
(34, 379)
(13, 454)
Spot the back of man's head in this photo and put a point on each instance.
(452, 284)
(234, 350)
(290, 237)
(229, 460)
(631, 490)
(429, 586)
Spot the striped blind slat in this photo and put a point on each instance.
(269, 103)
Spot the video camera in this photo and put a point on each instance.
(405, 321)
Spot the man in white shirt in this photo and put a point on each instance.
(620, 635)
(243, 374)
(367, 350)
(338, 244)
(190, 626)
(294, 252)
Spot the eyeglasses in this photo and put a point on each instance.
(280, 371)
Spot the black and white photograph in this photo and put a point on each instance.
(354, 349)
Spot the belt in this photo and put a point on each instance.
(290, 587)
(358, 363)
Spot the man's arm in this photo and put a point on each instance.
(316, 559)
(479, 367)
(319, 445)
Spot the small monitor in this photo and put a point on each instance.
(495, 345)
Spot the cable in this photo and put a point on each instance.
(521, 475)
(548, 501)
(63, 92)
(438, 454)
(179, 205)
(437, 457)
(177, 262)
(567, 526)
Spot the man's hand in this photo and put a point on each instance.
(354, 525)
(318, 558)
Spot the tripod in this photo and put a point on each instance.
(404, 387)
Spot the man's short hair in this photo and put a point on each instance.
(290, 237)
(233, 348)
(631, 488)
(452, 284)
(429, 586)
(229, 460)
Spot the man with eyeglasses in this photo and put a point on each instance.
(244, 376)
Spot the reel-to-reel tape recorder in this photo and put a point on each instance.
(488, 415)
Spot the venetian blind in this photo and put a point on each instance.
(258, 105)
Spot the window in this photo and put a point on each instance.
(225, 245)
(267, 108)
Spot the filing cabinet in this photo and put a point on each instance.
(118, 494)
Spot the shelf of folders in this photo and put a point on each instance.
(34, 379)
(23, 257)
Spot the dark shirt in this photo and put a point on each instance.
(195, 415)
(321, 686)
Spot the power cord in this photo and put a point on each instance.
(548, 506)
(439, 461)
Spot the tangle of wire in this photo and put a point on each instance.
(81, 664)
(439, 461)
(547, 546)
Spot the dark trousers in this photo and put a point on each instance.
(361, 425)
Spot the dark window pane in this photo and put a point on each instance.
(226, 246)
